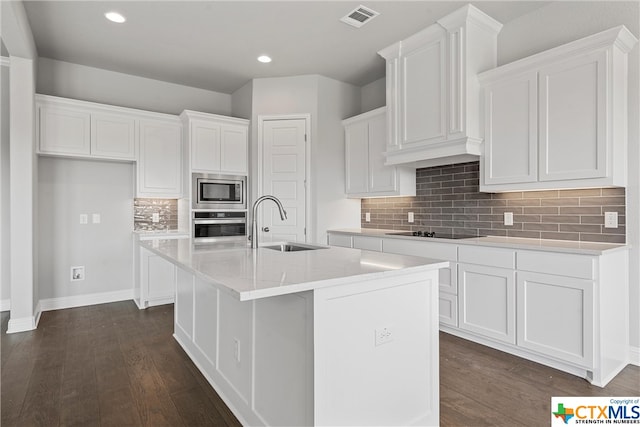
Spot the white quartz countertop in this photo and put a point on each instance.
(564, 246)
(161, 234)
(258, 273)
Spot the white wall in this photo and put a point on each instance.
(336, 102)
(562, 22)
(67, 188)
(374, 95)
(108, 87)
(302, 95)
(5, 260)
(241, 101)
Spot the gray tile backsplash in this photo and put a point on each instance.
(143, 210)
(448, 201)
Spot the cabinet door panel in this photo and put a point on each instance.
(159, 166)
(233, 150)
(573, 132)
(339, 240)
(511, 131)
(486, 298)
(113, 136)
(423, 94)
(555, 316)
(367, 243)
(381, 177)
(205, 327)
(205, 146)
(357, 153)
(64, 130)
(448, 309)
(184, 302)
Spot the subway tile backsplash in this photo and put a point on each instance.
(143, 210)
(448, 201)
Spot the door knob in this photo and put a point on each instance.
(265, 229)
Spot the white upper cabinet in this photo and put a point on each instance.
(366, 172)
(216, 144)
(84, 129)
(159, 164)
(432, 91)
(558, 119)
(113, 136)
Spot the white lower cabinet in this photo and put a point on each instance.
(555, 316)
(157, 280)
(487, 301)
(565, 310)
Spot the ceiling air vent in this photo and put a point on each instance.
(359, 16)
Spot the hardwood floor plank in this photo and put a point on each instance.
(196, 409)
(117, 408)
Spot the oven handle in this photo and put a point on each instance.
(218, 221)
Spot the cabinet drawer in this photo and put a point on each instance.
(493, 257)
(367, 243)
(570, 265)
(425, 249)
(339, 240)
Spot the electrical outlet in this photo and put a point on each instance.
(155, 217)
(236, 349)
(367, 216)
(611, 220)
(84, 219)
(77, 273)
(508, 218)
(383, 335)
(410, 217)
(95, 218)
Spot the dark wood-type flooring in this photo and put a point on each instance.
(115, 365)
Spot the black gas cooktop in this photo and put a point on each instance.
(431, 235)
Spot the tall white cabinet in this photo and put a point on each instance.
(160, 167)
(432, 91)
(366, 172)
(558, 119)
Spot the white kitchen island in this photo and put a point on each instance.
(332, 336)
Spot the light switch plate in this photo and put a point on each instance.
(95, 218)
(84, 219)
(611, 220)
(155, 217)
(367, 216)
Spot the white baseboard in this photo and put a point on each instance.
(634, 355)
(5, 304)
(22, 324)
(83, 300)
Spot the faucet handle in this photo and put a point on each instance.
(265, 229)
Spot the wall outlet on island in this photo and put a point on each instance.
(384, 335)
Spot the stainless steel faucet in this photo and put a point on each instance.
(254, 225)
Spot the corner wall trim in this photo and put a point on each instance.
(22, 324)
(634, 355)
(5, 304)
(60, 303)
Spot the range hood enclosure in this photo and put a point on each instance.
(433, 95)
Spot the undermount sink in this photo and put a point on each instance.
(292, 247)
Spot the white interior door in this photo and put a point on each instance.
(284, 176)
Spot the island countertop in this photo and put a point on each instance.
(258, 273)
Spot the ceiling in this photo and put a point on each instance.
(214, 44)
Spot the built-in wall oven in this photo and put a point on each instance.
(220, 192)
(211, 227)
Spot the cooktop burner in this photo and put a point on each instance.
(432, 234)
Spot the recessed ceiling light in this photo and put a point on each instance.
(264, 58)
(115, 17)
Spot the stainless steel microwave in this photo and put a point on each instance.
(219, 191)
